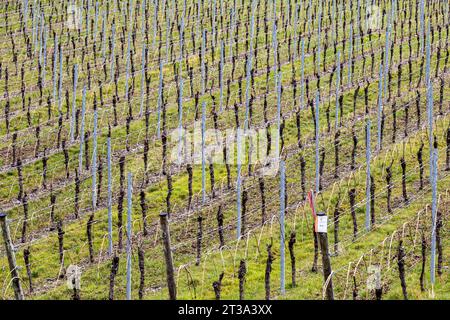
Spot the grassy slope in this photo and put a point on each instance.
(44, 268)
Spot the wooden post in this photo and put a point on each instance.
(11, 258)
(242, 272)
(321, 230)
(168, 256)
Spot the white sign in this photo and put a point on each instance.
(322, 223)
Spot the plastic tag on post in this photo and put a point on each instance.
(321, 223)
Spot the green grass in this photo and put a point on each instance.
(44, 246)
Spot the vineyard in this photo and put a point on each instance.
(224, 149)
